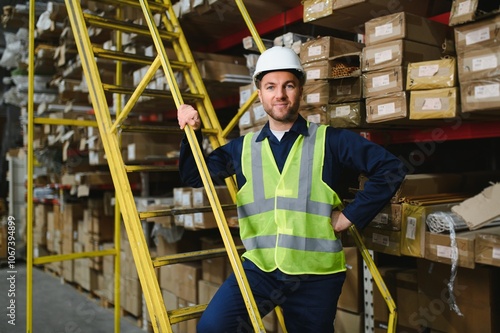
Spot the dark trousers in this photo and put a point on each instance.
(309, 302)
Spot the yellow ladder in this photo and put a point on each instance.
(170, 33)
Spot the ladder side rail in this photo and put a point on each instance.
(132, 223)
(30, 170)
(379, 281)
(205, 175)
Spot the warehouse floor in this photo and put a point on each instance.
(57, 307)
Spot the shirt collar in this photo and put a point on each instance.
(300, 127)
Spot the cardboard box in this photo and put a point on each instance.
(405, 26)
(325, 47)
(351, 298)
(348, 322)
(480, 95)
(206, 290)
(349, 89)
(462, 11)
(434, 104)
(431, 74)
(389, 218)
(438, 248)
(427, 183)
(384, 81)
(479, 64)
(316, 93)
(347, 115)
(477, 35)
(386, 108)
(487, 246)
(181, 279)
(480, 209)
(381, 240)
(315, 114)
(407, 299)
(413, 227)
(397, 53)
(475, 290)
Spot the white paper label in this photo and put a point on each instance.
(487, 91)
(186, 199)
(198, 218)
(383, 56)
(443, 251)
(313, 98)
(463, 8)
(341, 111)
(245, 119)
(259, 112)
(197, 198)
(313, 74)
(314, 51)
(496, 253)
(482, 63)
(383, 30)
(380, 239)
(477, 36)
(427, 70)
(411, 227)
(432, 104)
(131, 151)
(318, 7)
(384, 109)
(380, 81)
(188, 221)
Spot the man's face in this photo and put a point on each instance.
(280, 94)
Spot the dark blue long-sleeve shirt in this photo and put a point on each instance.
(344, 149)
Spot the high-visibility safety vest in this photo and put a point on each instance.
(285, 219)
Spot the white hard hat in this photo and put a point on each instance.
(278, 58)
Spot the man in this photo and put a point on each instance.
(288, 174)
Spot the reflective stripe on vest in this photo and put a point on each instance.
(274, 213)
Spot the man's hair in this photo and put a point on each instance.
(300, 75)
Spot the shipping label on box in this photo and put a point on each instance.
(431, 74)
(433, 104)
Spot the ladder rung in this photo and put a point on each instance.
(155, 6)
(186, 313)
(106, 22)
(192, 256)
(180, 211)
(135, 58)
(151, 168)
(148, 92)
(149, 129)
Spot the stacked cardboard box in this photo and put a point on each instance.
(187, 197)
(317, 57)
(392, 42)
(478, 55)
(433, 91)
